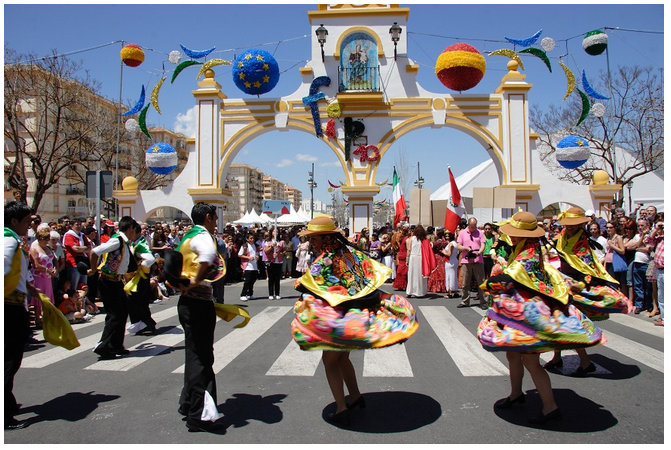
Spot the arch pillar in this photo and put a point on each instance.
(360, 207)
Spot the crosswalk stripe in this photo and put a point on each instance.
(466, 352)
(387, 362)
(237, 341)
(142, 352)
(295, 362)
(638, 352)
(637, 324)
(56, 354)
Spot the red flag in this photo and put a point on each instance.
(455, 207)
(399, 200)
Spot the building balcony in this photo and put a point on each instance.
(359, 79)
(74, 190)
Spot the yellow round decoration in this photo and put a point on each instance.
(600, 178)
(129, 184)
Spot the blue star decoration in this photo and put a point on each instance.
(255, 72)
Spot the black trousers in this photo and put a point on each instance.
(17, 331)
(198, 319)
(274, 277)
(116, 313)
(248, 286)
(138, 304)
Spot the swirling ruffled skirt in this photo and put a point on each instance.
(598, 302)
(385, 320)
(517, 321)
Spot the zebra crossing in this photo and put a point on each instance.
(438, 321)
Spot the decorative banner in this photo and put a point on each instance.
(510, 54)
(174, 57)
(255, 72)
(595, 42)
(132, 55)
(143, 121)
(161, 158)
(362, 152)
(330, 129)
(570, 80)
(276, 207)
(211, 63)
(353, 129)
(548, 44)
(585, 106)
(138, 106)
(598, 109)
(313, 98)
(526, 42)
(195, 54)
(588, 89)
(572, 152)
(154, 95)
(182, 66)
(537, 52)
(131, 125)
(460, 67)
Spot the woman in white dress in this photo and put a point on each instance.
(303, 255)
(451, 266)
(417, 283)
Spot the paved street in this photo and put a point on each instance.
(438, 387)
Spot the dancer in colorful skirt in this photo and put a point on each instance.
(341, 309)
(530, 313)
(593, 290)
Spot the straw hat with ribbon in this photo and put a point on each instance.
(573, 216)
(323, 224)
(522, 224)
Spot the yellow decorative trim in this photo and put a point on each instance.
(347, 32)
(125, 193)
(360, 11)
(439, 103)
(412, 68)
(281, 106)
(605, 187)
(523, 197)
(305, 70)
(190, 141)
(205, 191)
(523, 187)
(374, 100)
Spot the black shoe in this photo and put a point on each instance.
(580, 372)
(543, 418)
(360, 402)
(195, 426)
(463, 305)
(122, 351)
(341, 418)
(554, 364)
(637, 311)
(507, 403)
(104, 354)
(13, 424)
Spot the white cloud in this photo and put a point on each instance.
(305, 157)
(284, 163)
(330, 164)
(186, 123)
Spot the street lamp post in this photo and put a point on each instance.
(395, 32)
(629, 186)
(313, 185)
(419, 183)
(321, 33)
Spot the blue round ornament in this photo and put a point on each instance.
(161, 158)
(255, 71)
(572, 152)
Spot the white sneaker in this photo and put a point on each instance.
(243, 299)
(277, 297)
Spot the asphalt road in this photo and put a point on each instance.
(437, 388)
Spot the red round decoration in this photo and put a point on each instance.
(132, 55)
(330, 129)
(362, 152)
(460, 67)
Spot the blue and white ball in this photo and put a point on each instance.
(572, 152)
(255, 71)
(161, 158)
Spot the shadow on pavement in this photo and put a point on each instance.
(579, 414)
(606, 368)
(410, 412)
(72, 407)
(242, 408)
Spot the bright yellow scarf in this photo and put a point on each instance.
(577, 252)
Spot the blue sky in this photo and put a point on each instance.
(284, 31)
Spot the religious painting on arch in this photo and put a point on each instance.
(358, 63)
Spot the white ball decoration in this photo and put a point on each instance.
(131, 125)
(598, 109)
(174, 56)
(548, 44)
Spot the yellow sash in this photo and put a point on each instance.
(565, 248)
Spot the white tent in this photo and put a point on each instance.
(244, 220)
(301, 213)
(265, 219)
(293, 218)
(254, 217)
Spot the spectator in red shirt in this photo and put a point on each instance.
(77, 247)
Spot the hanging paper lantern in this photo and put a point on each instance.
(598, 109)
(548, 44)
(132, 55)
(595, 42)
(161, 158)
(255, 71)
(572, 152)
(131, 125)
(174, 57)
(460, 67)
